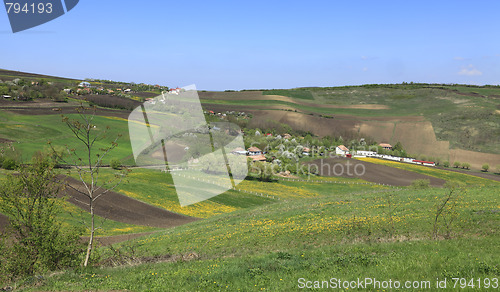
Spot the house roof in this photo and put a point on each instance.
(385, 145)
(258, 158)
(343, 148)
(238, 149)
(254, 149)
(306, 149)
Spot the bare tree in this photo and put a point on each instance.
(87, 161)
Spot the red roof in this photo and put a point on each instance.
(254, 149)
(343, 148)
(421, 161)
(259, 158)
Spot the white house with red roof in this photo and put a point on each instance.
(341, 150)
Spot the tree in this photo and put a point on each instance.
(38, 241)
(446, 164)
(465, 165)
(398, 147)
(456, 164)
(486, 166)
(88, 162)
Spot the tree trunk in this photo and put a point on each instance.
(91, 239)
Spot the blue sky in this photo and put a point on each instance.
(220, 45)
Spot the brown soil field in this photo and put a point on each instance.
(476, 159)
(17, 74)
(117, 207)
(121, 208)
(376, 173)
(176, 151)
(318, 125)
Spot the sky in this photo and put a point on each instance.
(221, 45)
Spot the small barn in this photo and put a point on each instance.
(341, 150)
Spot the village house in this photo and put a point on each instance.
(306, 151)
(252, 151)
(385, 146)
(341, 150)
(84, 84)
(256, 158)
(239, 151)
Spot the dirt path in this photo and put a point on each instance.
(373, 172)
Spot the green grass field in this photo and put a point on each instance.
(32, 132)
(380, 235)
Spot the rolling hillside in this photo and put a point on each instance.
(452, 122)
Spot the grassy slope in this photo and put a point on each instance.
(382, 235)
(33, 132)
(436, 172)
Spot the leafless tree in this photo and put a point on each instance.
(87, 161)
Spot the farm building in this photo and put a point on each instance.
(341, 150)
(260, 157)
(252, 151)
(175, 90)
(84, 84)
(239, 151)
(385, 146)
(306, 151)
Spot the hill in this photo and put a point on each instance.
(450, 122)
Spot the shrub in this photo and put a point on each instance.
(486, 166)
(420, 184)
(37, 241)
(446, 164)
(115, 164)
(9, 163)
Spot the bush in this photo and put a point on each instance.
(37, 241)
(9, 164)
(420, 184)
(486, 166)
(446, 164)
(115, 164)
